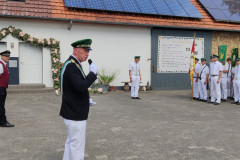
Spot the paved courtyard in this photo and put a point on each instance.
(163, 125)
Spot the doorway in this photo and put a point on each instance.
(31, 64)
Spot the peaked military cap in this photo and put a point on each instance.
(196, 59)
(5, 53)
(215, 56)
(137, 57)
(203, 59)
(84, 43)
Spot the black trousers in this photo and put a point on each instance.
(3, 95)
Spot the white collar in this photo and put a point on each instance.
(3, 62)
(76, 59)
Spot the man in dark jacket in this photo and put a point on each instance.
(4, 79)
(75, 98)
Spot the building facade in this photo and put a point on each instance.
(117, 38)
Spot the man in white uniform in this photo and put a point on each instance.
(229, 78)
(135, 77)
(203, 79)
(209, 78)
(195, 79)
(223, 83)
(236, 82)
(216, 73)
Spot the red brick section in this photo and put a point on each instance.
(31, 8)
(56, 9)
(231, 39)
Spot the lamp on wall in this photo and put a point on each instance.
(70, 25)
(12, 45)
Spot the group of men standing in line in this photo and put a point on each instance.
(224, 81)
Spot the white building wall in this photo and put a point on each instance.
(114, 46)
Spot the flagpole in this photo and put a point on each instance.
(193, 68)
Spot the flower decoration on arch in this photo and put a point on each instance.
(50, 43)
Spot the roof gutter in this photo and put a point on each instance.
(119, 23)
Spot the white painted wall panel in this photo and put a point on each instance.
(113, 46)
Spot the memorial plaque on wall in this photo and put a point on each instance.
(174, 53)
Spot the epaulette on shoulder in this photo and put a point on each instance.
(73, 61)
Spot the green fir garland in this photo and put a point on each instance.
(51, 43)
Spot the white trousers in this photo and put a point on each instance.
(236, 86)
(195, 88)
(135, 86)
(202, 89)
(229, 87)
(224, 90)
(215, 90)
(75, 143)
(210, 89)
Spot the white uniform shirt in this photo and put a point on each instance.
(198, 69)
(225, 67)
(229, 70)
(204, 71)
(236, 71)
(210, 66)
(216, 67)
(1, 67)
(134, 68)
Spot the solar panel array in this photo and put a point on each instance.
(178, 8)
(223, 10)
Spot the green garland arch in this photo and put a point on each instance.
(50, 43)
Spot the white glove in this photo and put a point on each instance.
(93, 68)
(91, 102)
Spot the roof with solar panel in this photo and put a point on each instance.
(223, 10)
(189, 14)
(178, 8)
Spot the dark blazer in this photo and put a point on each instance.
(75, 98)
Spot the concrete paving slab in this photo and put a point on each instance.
(163, 125)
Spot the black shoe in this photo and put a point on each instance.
(215, 103)
(224, 100)
(6, 124)
(204, 100)
(210, 102)
(133, 98)
(196, 99)
(199, 100)
(137, 98)
(234, 102)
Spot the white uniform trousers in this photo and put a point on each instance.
(202, 89)
(236, 86)
(75, 143)
(229, 87)
(210, 89)
(195, 88)
(223, 85)
(216, 90)
(135, 86)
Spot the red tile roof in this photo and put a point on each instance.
(55, 9)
